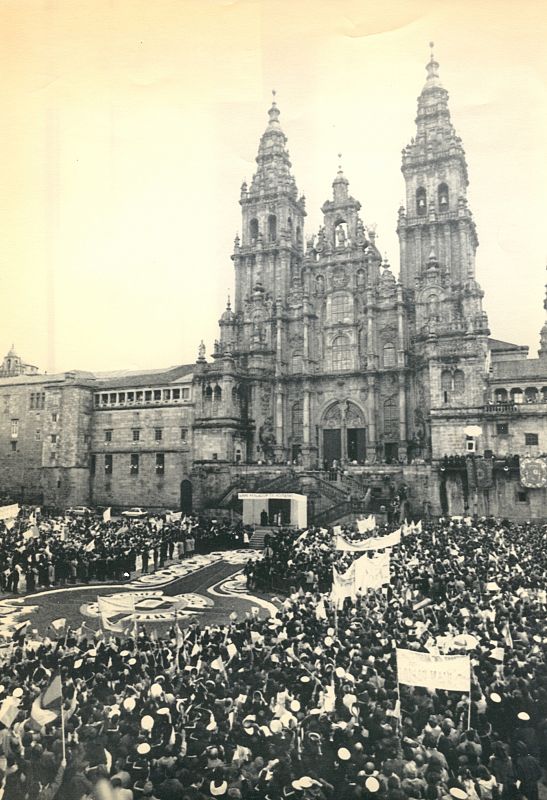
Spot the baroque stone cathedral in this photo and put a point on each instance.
(326, 357)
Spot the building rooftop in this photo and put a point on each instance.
(497, 345)
(151, 377)
(533, 368)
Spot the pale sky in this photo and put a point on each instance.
(128, 127)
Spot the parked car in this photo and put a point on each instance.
(134, 512)
(79, 511)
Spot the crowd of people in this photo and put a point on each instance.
(40, 552)
(304, 704)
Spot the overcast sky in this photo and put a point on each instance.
(129, 125)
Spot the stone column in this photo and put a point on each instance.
(279, 441)
(371, 414)
(402, 416)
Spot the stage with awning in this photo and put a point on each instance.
(274, 508)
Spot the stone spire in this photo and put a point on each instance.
(274, 166)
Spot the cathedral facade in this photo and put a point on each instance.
(325, 359)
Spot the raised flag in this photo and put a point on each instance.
(90, 546)
(452, 673)
(47, 706)
(107, 515)
(9, 710)
(58, 624)
(116, 618)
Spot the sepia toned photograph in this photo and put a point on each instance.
(273, 400)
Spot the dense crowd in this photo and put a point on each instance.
(306, 703)
(53, 551)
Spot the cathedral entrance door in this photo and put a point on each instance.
(357, 444)
(186, 496)
(332, 445)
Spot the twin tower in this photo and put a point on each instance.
(326, 356)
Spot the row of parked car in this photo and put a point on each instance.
(135, 513)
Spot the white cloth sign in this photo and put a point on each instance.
(343, 586)
(452, 673)
(9, 512)
(372, 573)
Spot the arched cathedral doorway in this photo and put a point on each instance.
(344, 433)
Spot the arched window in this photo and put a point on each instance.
(531, 394)
(459, 382)
(360, 278)
(235, 394)
(501, 396)
(391, 418)
(442, 195)
(253, 230)
(298, 234)
(208, 394)
(217, 394)
(446, 384)
(544, 394)
(516, 396)
(296, 363)
(421, 202)
(341, 353)
(272, 227)
(297, 421)
(389, 355)
(341, 307)
(289, 226)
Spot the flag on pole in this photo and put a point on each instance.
(116, 618)
(47, 706)
(107, 515)
(58, 624)
(90, 546)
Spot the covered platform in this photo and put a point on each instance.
(281, 508)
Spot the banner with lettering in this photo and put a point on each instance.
(452, 673)
(378, 543)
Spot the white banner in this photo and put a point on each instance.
(107, 515)
(9, 512)
(379, 543)
(452, 673)
(372, 573)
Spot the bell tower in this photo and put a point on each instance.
(272, 218)
(437, 217)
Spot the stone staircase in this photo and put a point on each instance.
(257, 539)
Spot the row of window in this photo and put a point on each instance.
(134, 462)
(142, 396)
(530, 395)
(530, 439)
(37, 400)
(136, 434)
